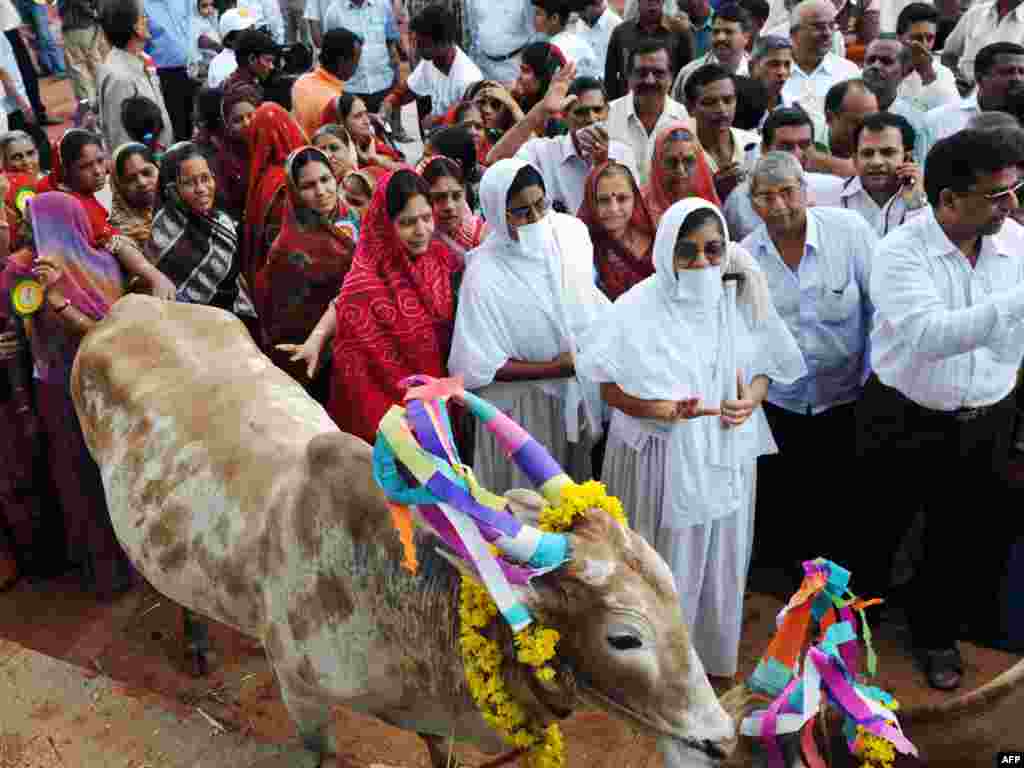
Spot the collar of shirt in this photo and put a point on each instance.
(324, 76)
(568, 146)
(672, 108)
(970, 103)
(937, 241)
(128, 60)
(825, 67)
(992, 10)
(811, 243)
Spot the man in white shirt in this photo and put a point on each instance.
(888, 189)
(565, 161)
(444, 72)
(886, 62)
(232, 22)
(982, 24)
(499, 31)
(730, 37)
(711, 101)
(999, 69)
(815, 67)
(551, 22)
(596, 23)
(787, 129)
(816, 261)
(931, 83)
(935, 421)
(373, 22)
(270, 15)
(636, 118)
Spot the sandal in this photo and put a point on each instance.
(943, 667)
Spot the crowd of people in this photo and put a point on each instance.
(757, 267)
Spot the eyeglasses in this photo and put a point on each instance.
(995, 197)
(686, 252)
(786, 194)
(538, 208)
(642, 73)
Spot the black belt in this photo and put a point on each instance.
(507, 56)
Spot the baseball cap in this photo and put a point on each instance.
(237, 19)
(252, 42)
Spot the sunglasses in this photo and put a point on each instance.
(539, 208)
(1002, 194)
(687, 252)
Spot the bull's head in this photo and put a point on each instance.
(624, 646)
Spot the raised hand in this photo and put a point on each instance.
(557, 98)
(309, 352)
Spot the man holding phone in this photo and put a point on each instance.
(888, 188)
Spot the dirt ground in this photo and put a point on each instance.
(134, 646)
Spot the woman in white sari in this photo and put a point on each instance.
(664, 360)
(527, 298)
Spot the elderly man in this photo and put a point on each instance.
(673, 34)
(930, 83)
(730, 38)
(888, 188)
(935, 422)
(565, 161)
(636, 118)
(816, 261)
(787, 129)
(711, 100)
(886, 62)
(999, 69)
(981, 25)
(815, 67)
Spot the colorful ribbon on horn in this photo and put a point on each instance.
(416, 463)
(797, 682)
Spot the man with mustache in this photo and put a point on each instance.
(730, 36)
(999, 69)
(711, 99)
(888, 188)
(886, 62)
(672, 32)
(636, 118)
(936, 418)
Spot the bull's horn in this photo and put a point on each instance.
(535, 547)
(529, 455)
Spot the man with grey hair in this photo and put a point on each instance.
(887, 61)
(817, 264)
(815, 67)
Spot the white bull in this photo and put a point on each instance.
(235, 495)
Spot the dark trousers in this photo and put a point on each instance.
(28, 72)
(179, 92)
(803, 490)
(955, 468)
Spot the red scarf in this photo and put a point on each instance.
(395, 319)
(701, 182)
(332, 116)
(304, 271)
(618, 267)
(273, 135)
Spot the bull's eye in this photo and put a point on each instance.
(624, 642)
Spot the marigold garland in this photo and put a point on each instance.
(875, 751)
(535, 645)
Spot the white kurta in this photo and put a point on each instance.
(675, 479)
(530, 304)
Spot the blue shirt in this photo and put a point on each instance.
(169, 25)
(826, 306)
(9, 63)
(702, 36)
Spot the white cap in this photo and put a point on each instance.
(237, 19)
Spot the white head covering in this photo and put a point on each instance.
(550, 267)
(664, 340)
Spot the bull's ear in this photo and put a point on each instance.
(526, 505)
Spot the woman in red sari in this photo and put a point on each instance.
(222, 124)
(678, 170)
(272, 135)
(307, 262)
(395, 313)
(621, 228)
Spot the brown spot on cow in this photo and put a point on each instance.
(300, 621)
(305, 522)
(306, 673)
(174, 559)
(334, 600)
(168, 529)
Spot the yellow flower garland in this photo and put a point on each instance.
(535, 645)
(875, 751)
